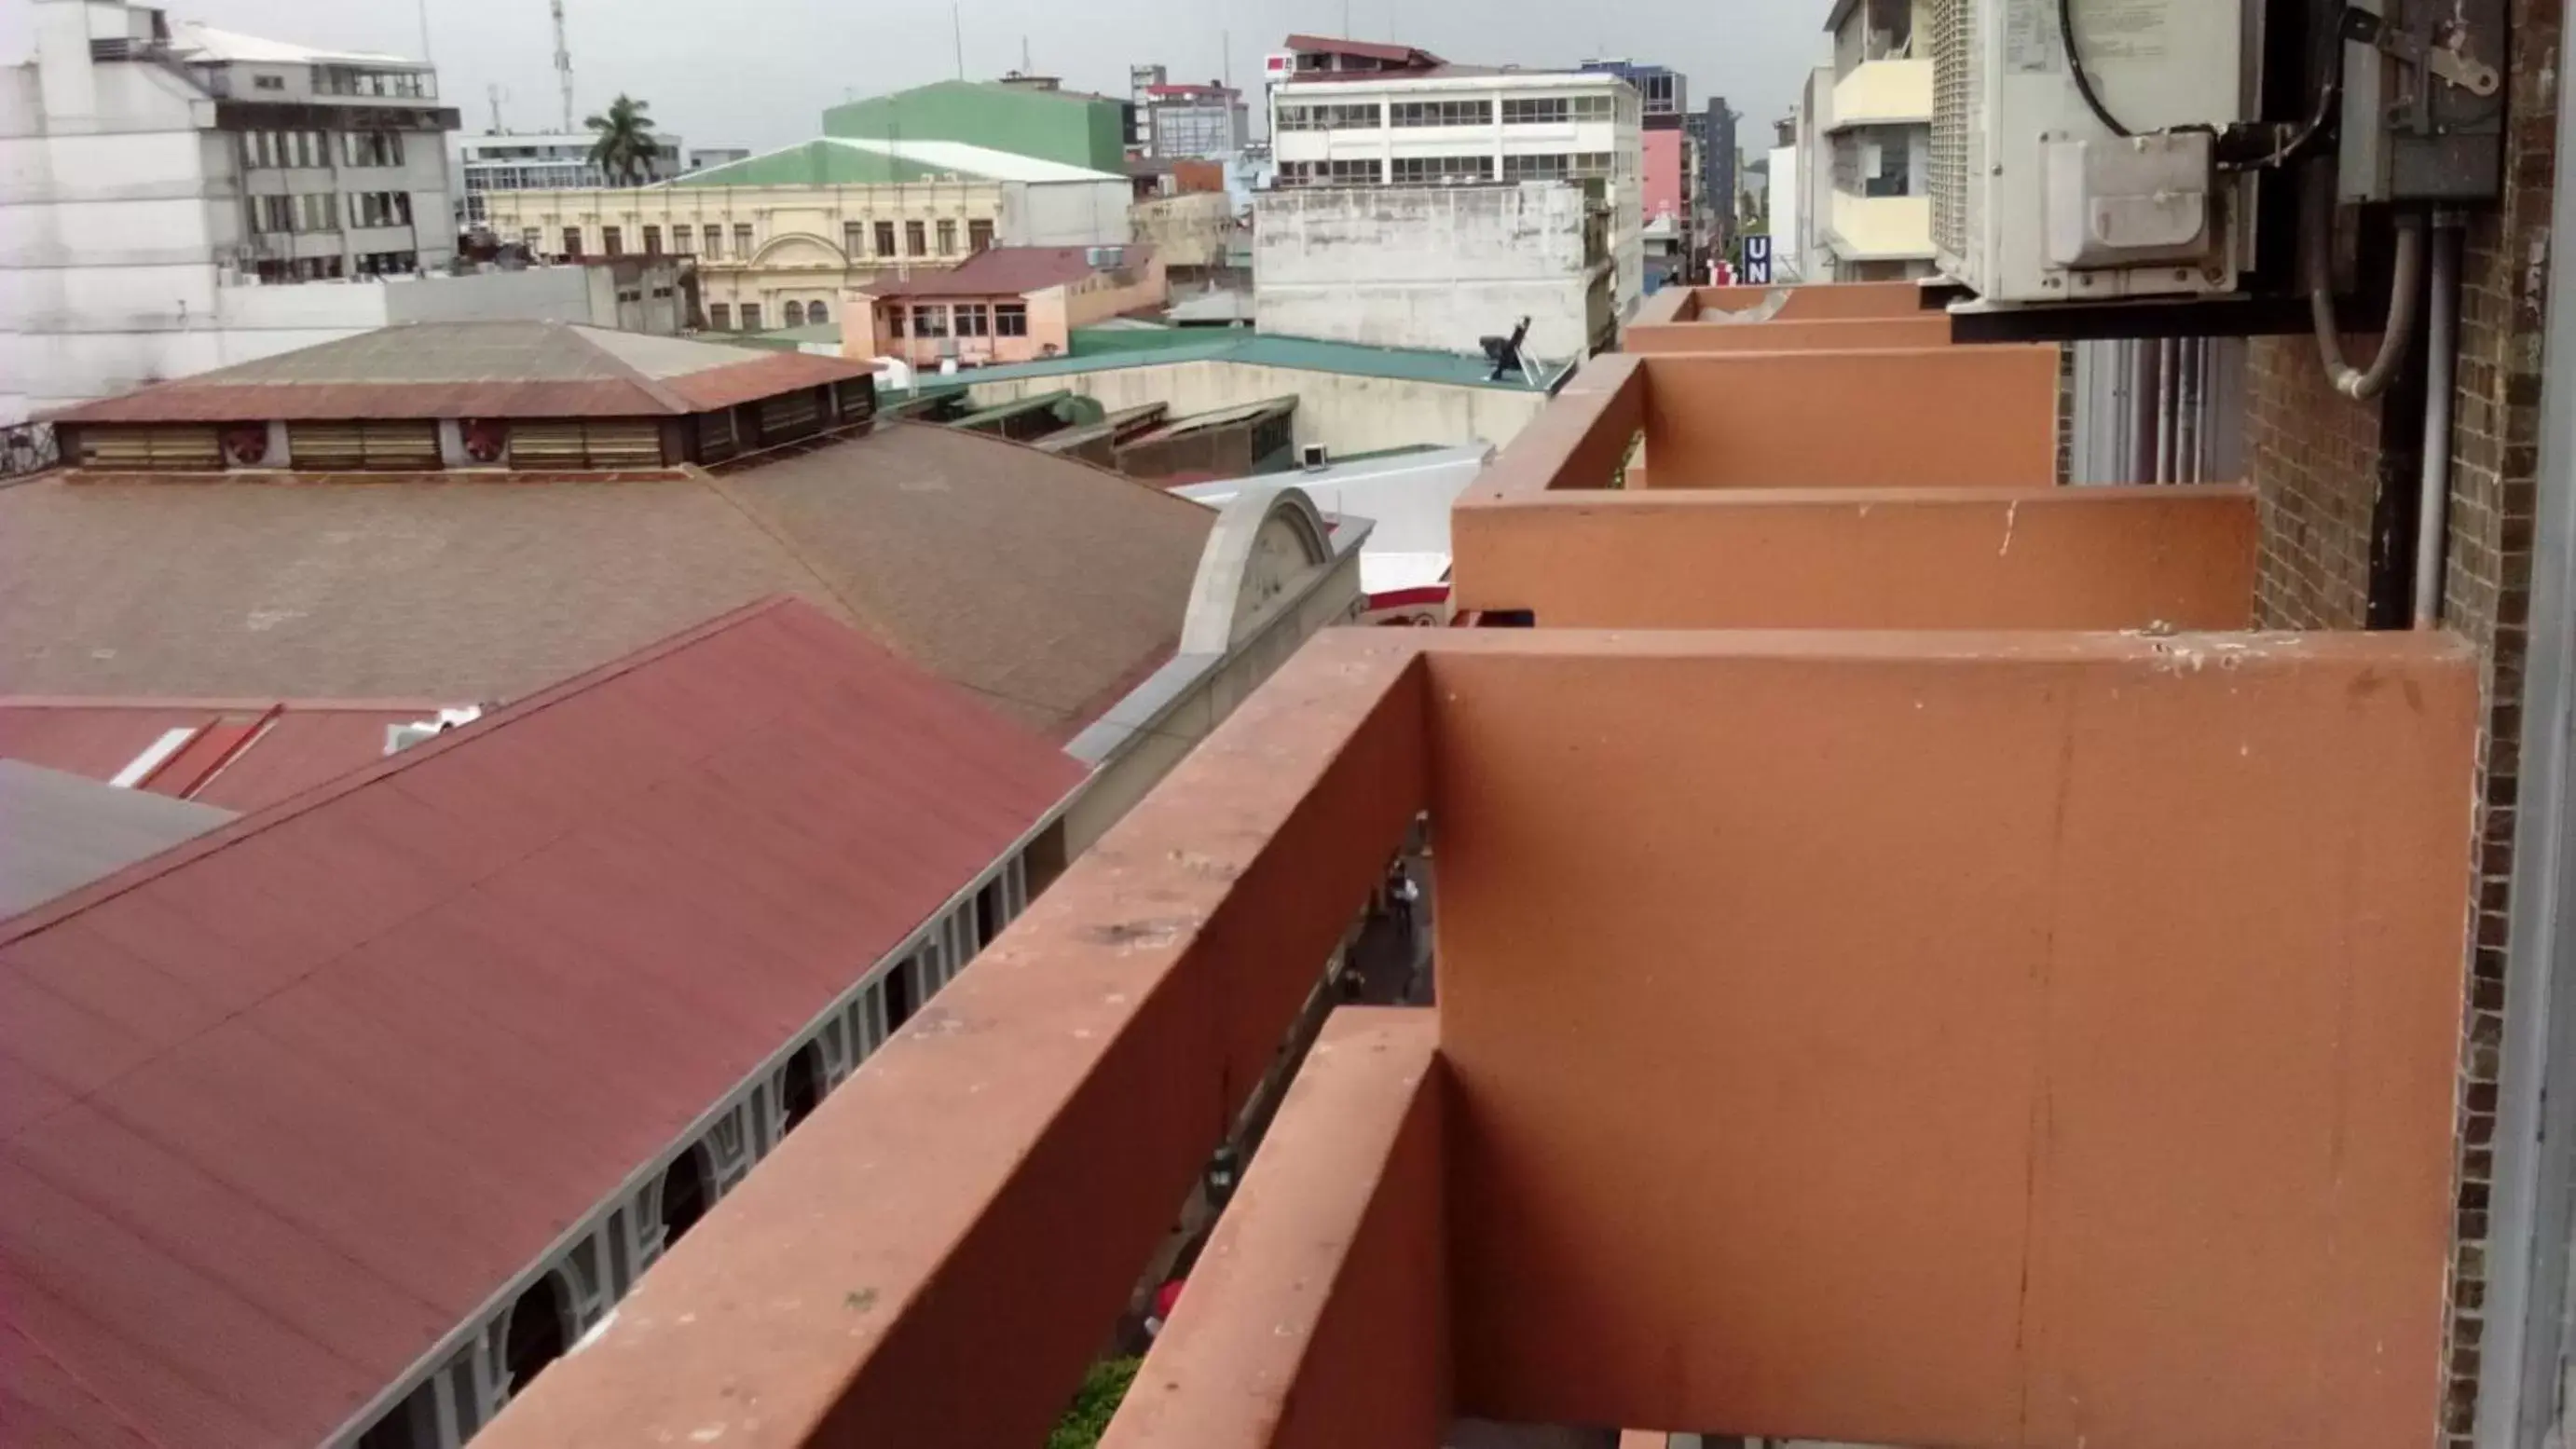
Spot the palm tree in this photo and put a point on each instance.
(626, 146)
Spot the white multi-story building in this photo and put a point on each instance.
(552, 161)
(1349, 113)
(162, 190)
(1874, 121)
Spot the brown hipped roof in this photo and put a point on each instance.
(289, 1102)
(1007, 271)
(476, 370)
(1048, 586)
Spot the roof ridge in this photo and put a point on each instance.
(54, 912)
(652, 387)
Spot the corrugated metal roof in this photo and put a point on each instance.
(1261, 349)
(241, 755)
(286, 1104)
(475, 370)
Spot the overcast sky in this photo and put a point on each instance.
(759, 72)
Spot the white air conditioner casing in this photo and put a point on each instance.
(2034, 199)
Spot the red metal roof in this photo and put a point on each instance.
(286, 1104)
(1184, 88)
(1007, 272)
(239, 754)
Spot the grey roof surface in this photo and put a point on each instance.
(1045, 584)
(64, 831)
(483, 352)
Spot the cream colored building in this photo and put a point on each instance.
(778, 238)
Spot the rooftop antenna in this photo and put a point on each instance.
(494, 92)
(563, 63)
(425, 57)
(957, 28)
(1025, 67)
(1225, 56)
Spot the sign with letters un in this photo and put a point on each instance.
(1757, 261)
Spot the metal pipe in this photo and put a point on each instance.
(2187, 411)
(2441, 344)
(2404, 284)
(2164, 411)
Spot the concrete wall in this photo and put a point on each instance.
(1428, 266)
(1189, 230)
(1345, 413)
(1912, 1040)
(2068, 558)
(1065, 213)
(1862, 334)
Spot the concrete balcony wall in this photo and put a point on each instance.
(1840, 334)
(1884, 93)
(2043, 1085)
(1869, 558)
(1963, 416)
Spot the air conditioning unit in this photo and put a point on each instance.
(2038, 196)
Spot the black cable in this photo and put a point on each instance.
(2083, 81)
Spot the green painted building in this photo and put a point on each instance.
(1072, 127)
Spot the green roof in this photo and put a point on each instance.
(1103, 341)
(813, 163)
(1349, 359)
(1067, 126)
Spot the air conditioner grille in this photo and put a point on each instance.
(1954, 45)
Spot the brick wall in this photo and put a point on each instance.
(2313, 458)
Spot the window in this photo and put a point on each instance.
(795, 314)
(817, 314)
(1349, 116)
(381, 148)
(531, 238)
(854, 237)
(902, 997)
(572, 241)
(1535, 110)
(317, 211)
(1010, 319)
(885, 238)
(742, 246)
(1443, 170)
(947, 238)
(268, 82)
(611, 241)
(720, 316)
(1536, 168)
(988, 914)
(1330, 173)
(973, 319)
(684, 241)
(1441, 113)
(979, 235)
(913, 243)
(272, 213)
(894, 321)
(930, 321)
(715, 241)
(751, 316)
(1590, 163)
(1590, 108)
(380, 208)
(652, 241)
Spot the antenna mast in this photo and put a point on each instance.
(563, 63)
(494, 91)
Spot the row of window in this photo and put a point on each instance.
(720, 315)
(1366, 172)
(1447, 170)
(313, 148)
(1442, 170)
(330, 269)
(1370, 115)
(379, 208)
(335, 80)
(963, 319)
(313, 211)
(1557, 166)
(709, 240)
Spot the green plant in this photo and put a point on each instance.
(1087, 1417)
(626, 144)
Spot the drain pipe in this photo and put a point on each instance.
(2441, 347)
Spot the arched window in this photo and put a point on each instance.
(538, 1332)
(817, 313)
(795, 314)
(688, 1190)
(803, 1088)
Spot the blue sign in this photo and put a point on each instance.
(1757, 261)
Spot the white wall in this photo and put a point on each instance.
(1064, 213)
(1344, 413)
(1434, 267)
(1787, 222)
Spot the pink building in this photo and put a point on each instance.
(1005, 304)
(1663, 179)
